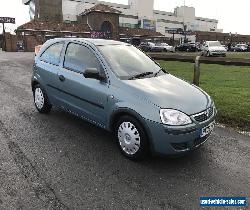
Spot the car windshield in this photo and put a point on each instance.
(214, 44)
(126, 61)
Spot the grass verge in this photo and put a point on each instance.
(244, 55)
(229, 86)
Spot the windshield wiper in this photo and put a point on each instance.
(163, 70)
(141, 75)
(158, 72)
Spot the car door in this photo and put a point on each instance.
(83, 96)
(47, 69)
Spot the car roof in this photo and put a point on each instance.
(97, 42)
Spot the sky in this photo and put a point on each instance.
(233, 15)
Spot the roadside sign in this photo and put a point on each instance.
(4, 20)
(7, 20)
(178, 31)
(174, 30)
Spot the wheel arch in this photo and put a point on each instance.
(34, 82)
(117, 114)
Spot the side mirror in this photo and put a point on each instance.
(93, 73)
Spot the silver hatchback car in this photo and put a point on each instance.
(119, 88)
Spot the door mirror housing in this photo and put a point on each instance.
(93, 73)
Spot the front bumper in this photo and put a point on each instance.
(169, 140)
(217, 53)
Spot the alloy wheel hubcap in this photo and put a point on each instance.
(39, 98)
(129, 138)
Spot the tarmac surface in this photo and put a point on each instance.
(57, 161)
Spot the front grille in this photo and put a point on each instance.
(203, 116)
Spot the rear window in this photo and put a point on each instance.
(52, 54)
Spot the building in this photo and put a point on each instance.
(98, 21)
(137, 14)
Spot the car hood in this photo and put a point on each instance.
(217, 48)
(168, 91)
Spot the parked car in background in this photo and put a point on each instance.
(151, 47)
(239, 48)
(117, 87)
(213, 48)
(248, 48)
(225, 46)
(198, 46)
(167, 48)
(186, 47)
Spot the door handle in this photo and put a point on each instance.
(61, 78)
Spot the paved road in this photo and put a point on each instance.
(57, 161)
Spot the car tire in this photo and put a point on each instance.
(41, 100)
(131, 138)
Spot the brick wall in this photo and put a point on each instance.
(1, 40)
(96, 19)
(11, 42)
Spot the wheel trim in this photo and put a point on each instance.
(39, 98)
(129, 138)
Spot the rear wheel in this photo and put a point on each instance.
(132, 139)
(41, 100)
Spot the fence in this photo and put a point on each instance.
(198, 60)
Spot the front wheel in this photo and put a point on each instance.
(41, 100)
(132, 139)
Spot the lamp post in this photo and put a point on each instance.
(185, 32)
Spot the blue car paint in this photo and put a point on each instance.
(99, 102)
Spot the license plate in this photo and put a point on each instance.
(207, 130)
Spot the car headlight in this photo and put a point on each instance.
(174, 117)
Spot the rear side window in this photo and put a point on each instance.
(52, 54)
(78, 58)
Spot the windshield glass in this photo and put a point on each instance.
(214, 44)
(127, 61)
